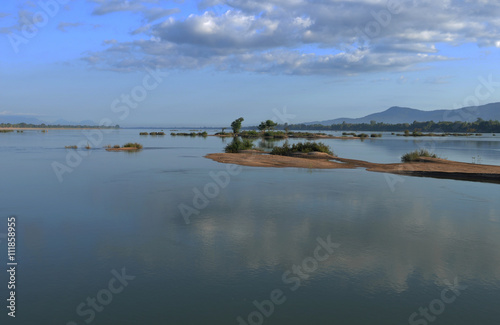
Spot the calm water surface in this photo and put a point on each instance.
(400, 242)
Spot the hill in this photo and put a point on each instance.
(398, 114)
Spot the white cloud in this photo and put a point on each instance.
(302, 36)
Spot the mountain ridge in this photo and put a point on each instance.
(28, 119)
(398, 114)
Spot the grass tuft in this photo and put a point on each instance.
(415, 155)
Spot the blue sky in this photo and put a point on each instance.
(216, 60)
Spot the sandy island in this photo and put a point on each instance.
(123, 149)
(425, 167)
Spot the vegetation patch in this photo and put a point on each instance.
(275, 134)
(415, 155)
(361, 135)
(305, 135)
(191, 134)
(133, 145)
(479, 126)
(287, 150)
(238, 145)
(249, 134)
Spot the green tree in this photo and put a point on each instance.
(262, 126)
(267, 125)
(271, 125)
(236, 125)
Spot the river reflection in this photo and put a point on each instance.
(398, 245)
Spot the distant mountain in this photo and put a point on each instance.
(408, 115)
(16, 119)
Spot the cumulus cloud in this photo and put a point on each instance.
(302, 36)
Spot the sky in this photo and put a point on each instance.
(206, 63)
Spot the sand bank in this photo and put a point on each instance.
(426, 167)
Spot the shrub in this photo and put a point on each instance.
(143, 133)
(6, 131)
(249, 134)
(274, 134)
(306, 147)
(376, 135)
(237, 145)
(116, 146)
(415, 155)
(71, 147)
(133, 145)
(363, 135)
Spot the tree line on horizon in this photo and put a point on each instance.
(480, 125)
(49, 126)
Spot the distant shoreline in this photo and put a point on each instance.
(57, 128)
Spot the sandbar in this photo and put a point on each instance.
(425, 167)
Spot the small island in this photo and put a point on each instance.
(126, 147)
(316, 155)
